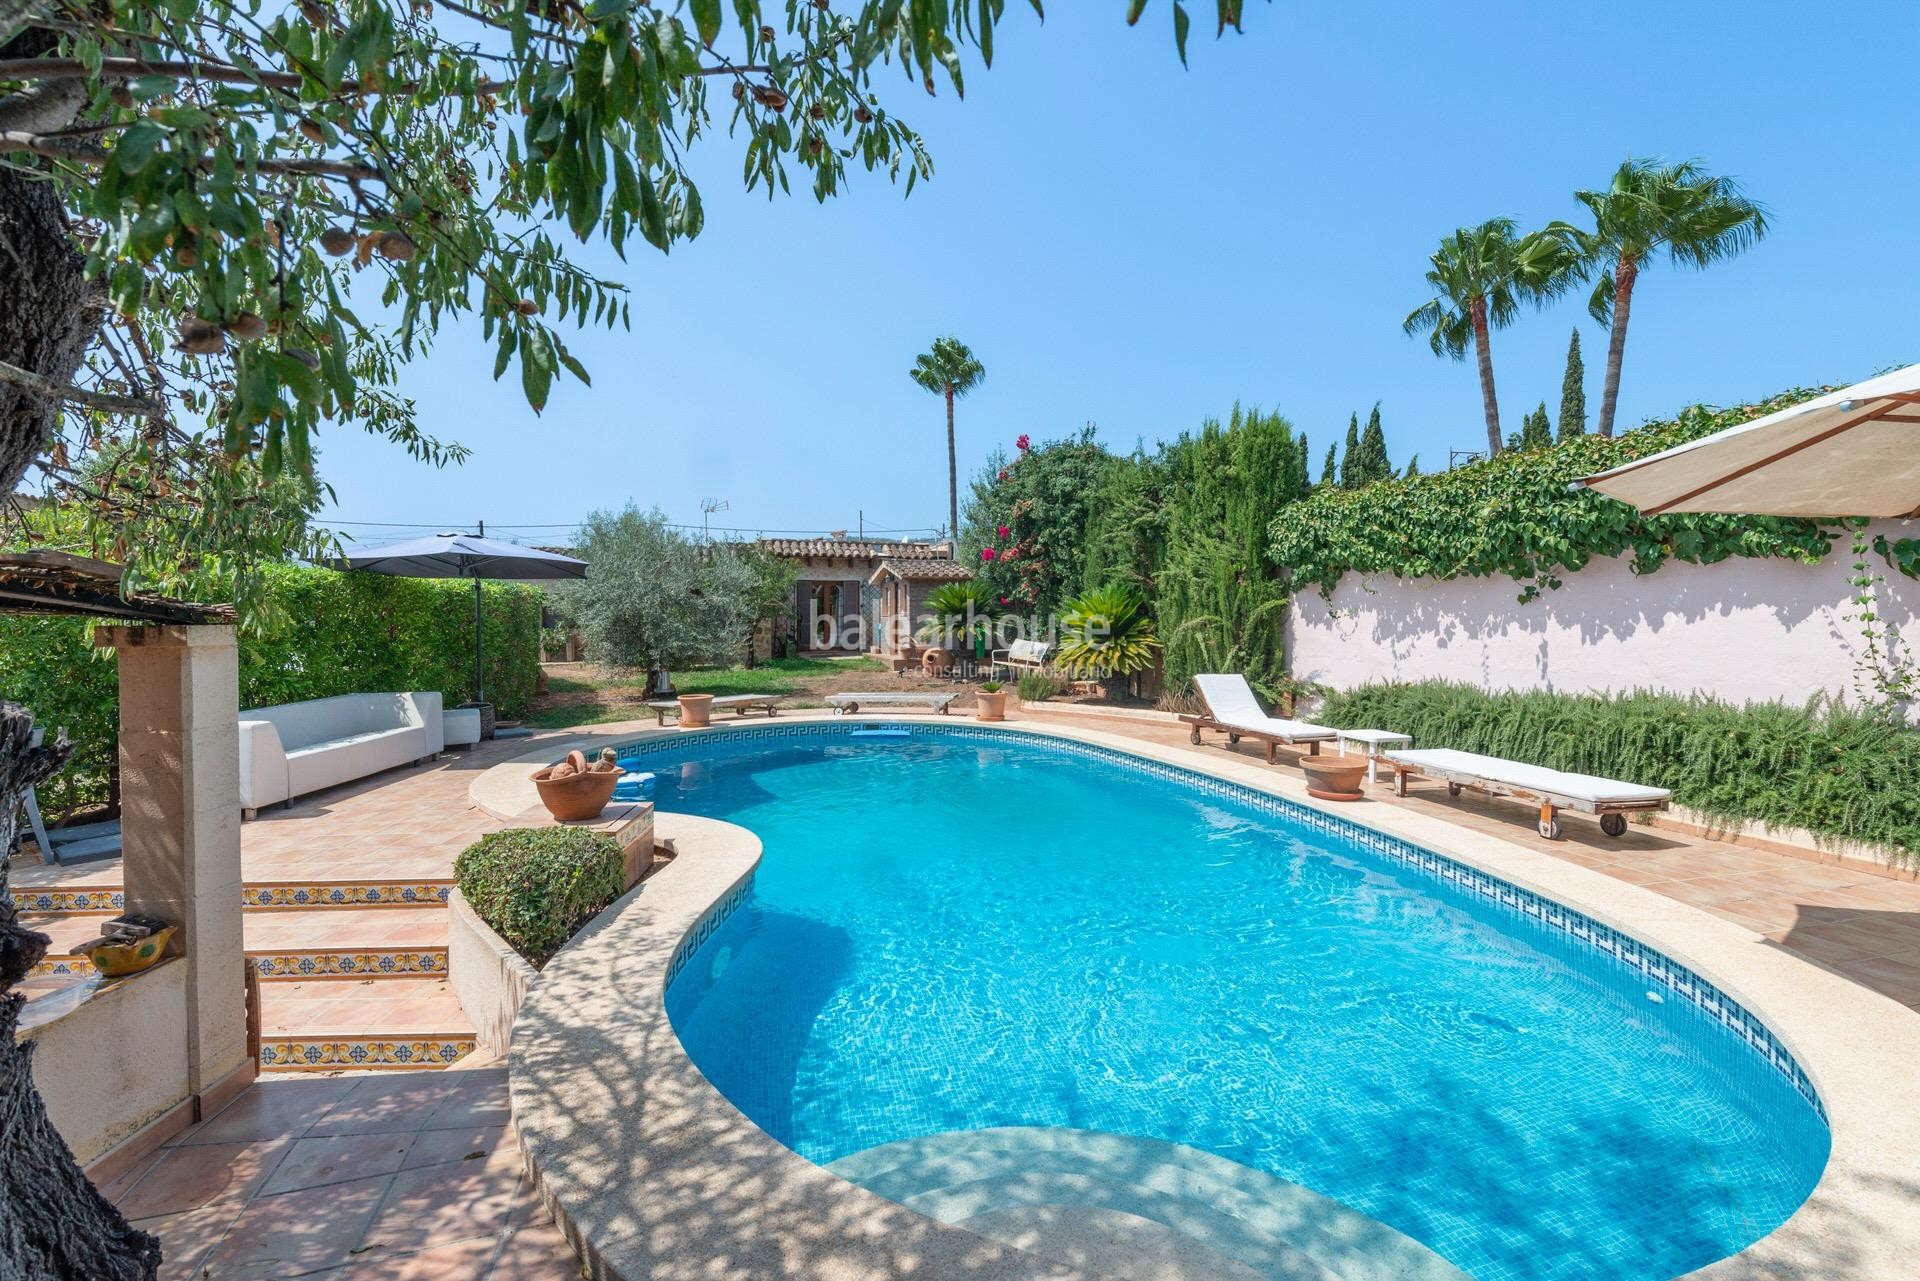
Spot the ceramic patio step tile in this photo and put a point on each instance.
(386, 891)
(358, 942)
(67, 932)
(330, 1024)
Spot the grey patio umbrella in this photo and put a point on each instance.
(464, 556)
(1852, 452)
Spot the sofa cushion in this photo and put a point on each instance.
(354, 756)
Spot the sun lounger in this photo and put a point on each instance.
(1553, 789)
(843, 704)
(1233, 710)
(740, 703)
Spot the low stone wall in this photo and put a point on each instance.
(117, 1062)
(490, 979)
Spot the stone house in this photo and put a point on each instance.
(854, 595)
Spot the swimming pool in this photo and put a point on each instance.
(960, 928)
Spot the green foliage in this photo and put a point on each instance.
(1535, 431)
(1573, 392)
(1107, 632)
(1043, 497)
(959, 614)
(1036, 687)
(1329, 476)
(320, 633)
(1837, 772)
(1374, 463)
(241, 181)
(1350, 466)
(655, 598)
(1516, 515)
(1218, 595)
(50, 666)
(1413, 467)
(992, 687)
(535, 886)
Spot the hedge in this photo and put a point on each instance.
(536, 885)
(322, 633)
(1517, 515)
(1833, 770)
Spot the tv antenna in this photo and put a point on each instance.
(708, 506)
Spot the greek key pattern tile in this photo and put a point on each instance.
(27, 898)
(700, 933)
(1602, 944)
(297, 1054)
(362, 965)
(363, 894)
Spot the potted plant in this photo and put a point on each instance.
(696, 711)
(959, 618)
(990, 703)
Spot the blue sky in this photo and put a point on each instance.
(1127, 243)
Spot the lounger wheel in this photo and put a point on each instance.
(1614, 824)
(1550, 828)
(1194, 738)
(1453, 790)
(1233, 740)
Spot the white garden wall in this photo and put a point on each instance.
(1743, 630)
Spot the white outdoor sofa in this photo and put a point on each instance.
(1553, 789)
(296, 748)
(1233, 710)
(1022, 655)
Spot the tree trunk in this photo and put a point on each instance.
(1624, 272)
(953, 478)
(1483, 353)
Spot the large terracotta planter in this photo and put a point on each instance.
(936, 661)
(990, 706)
(696, 711)
(580, 795)
(1334, 778)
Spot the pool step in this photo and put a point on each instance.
(1137, 1209)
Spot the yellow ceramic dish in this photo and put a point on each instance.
(117, 960)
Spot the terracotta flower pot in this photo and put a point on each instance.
(935, 661)
(1334, 778)
(580, 794)
(696, 710)
(990, 706)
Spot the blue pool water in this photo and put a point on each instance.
(953, 930)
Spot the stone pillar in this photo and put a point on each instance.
(180, 825)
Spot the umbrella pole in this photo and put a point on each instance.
(479, 679)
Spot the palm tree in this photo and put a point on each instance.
(1480, 276)
(1697, 218)
(950, 370)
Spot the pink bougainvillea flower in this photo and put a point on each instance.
(1003, 473)
(1023, 444)
(986, 553)
(1003, 600)
(1004, 531)
(1011, 552)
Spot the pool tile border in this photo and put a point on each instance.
(1610, 943)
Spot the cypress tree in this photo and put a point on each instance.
(1329, 476)
(1535, 431)
(1573, 393)
(1413, 466)
(1351, 462)
(1301, 477)
(1374, 463)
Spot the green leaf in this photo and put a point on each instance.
(706, 18)
(1180, 24)
(137, 146)
(1134, 9)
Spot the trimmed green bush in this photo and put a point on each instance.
(323, 633)
(1833, 770)
(536, 885)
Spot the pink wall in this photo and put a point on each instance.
(1743, 630)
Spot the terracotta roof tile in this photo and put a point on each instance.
(857, 548)
(939, 571)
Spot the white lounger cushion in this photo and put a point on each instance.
(1230, 699)
(1533, 778)
(296, 748)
